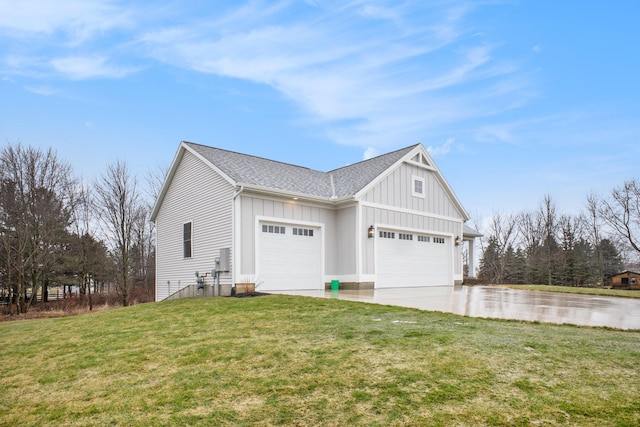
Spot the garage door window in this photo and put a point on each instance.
(303, 232)
(404, 236)
(275, 229)
(424, 239)
(438, 240)
(387, 234)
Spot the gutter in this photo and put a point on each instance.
(238, 191)
(291, 195)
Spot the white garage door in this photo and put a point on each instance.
(410, 259)
(289, 257)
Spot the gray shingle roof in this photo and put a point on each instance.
(342, 182)
(353, 178)
(470, 232)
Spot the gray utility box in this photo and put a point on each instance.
(225, 260)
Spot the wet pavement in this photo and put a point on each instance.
(503, 303)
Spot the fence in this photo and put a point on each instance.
(53, 296)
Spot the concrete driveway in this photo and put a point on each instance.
(503, 303)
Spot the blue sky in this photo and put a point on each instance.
(514, 99)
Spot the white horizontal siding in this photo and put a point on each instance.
(196, 194)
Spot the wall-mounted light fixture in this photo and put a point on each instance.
(371, 232)
(457, 241)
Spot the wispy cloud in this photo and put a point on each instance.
(370, 153)
(42, 39)
(377, 75)
(442, 149)
(89, 67)
(41, 90)
(368, 85)
(76, 20)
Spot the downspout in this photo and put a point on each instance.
(235, 252)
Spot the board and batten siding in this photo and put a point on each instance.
(199, 195)
(390, 203)
(344, 249)
(395, 190)
(253, 206)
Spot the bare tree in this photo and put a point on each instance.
(575, 252)
(146, 231)
(621, 212)
(35, 187)
(594, 232)
(119, 206)
(144, 250)
(155, 180)
(531, 232)
(501, 237)
(549, 217)
(84, 241)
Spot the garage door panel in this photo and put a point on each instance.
(410, 262)
(287, 261)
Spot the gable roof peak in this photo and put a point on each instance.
(351, 179)
(377, 158)
(207, 147)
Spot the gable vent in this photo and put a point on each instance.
(419, 158)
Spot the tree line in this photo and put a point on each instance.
(58, 231)
(545, 247)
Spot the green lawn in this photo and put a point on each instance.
(578, 290)
(282, 360)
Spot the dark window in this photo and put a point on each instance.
(274, 229)
(186, 240)
(303, 232)
(417, 186)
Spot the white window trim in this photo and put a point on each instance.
(415, 179)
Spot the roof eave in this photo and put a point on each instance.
(292, 194)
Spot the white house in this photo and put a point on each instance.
(391, 221)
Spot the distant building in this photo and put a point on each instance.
(626, 279)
